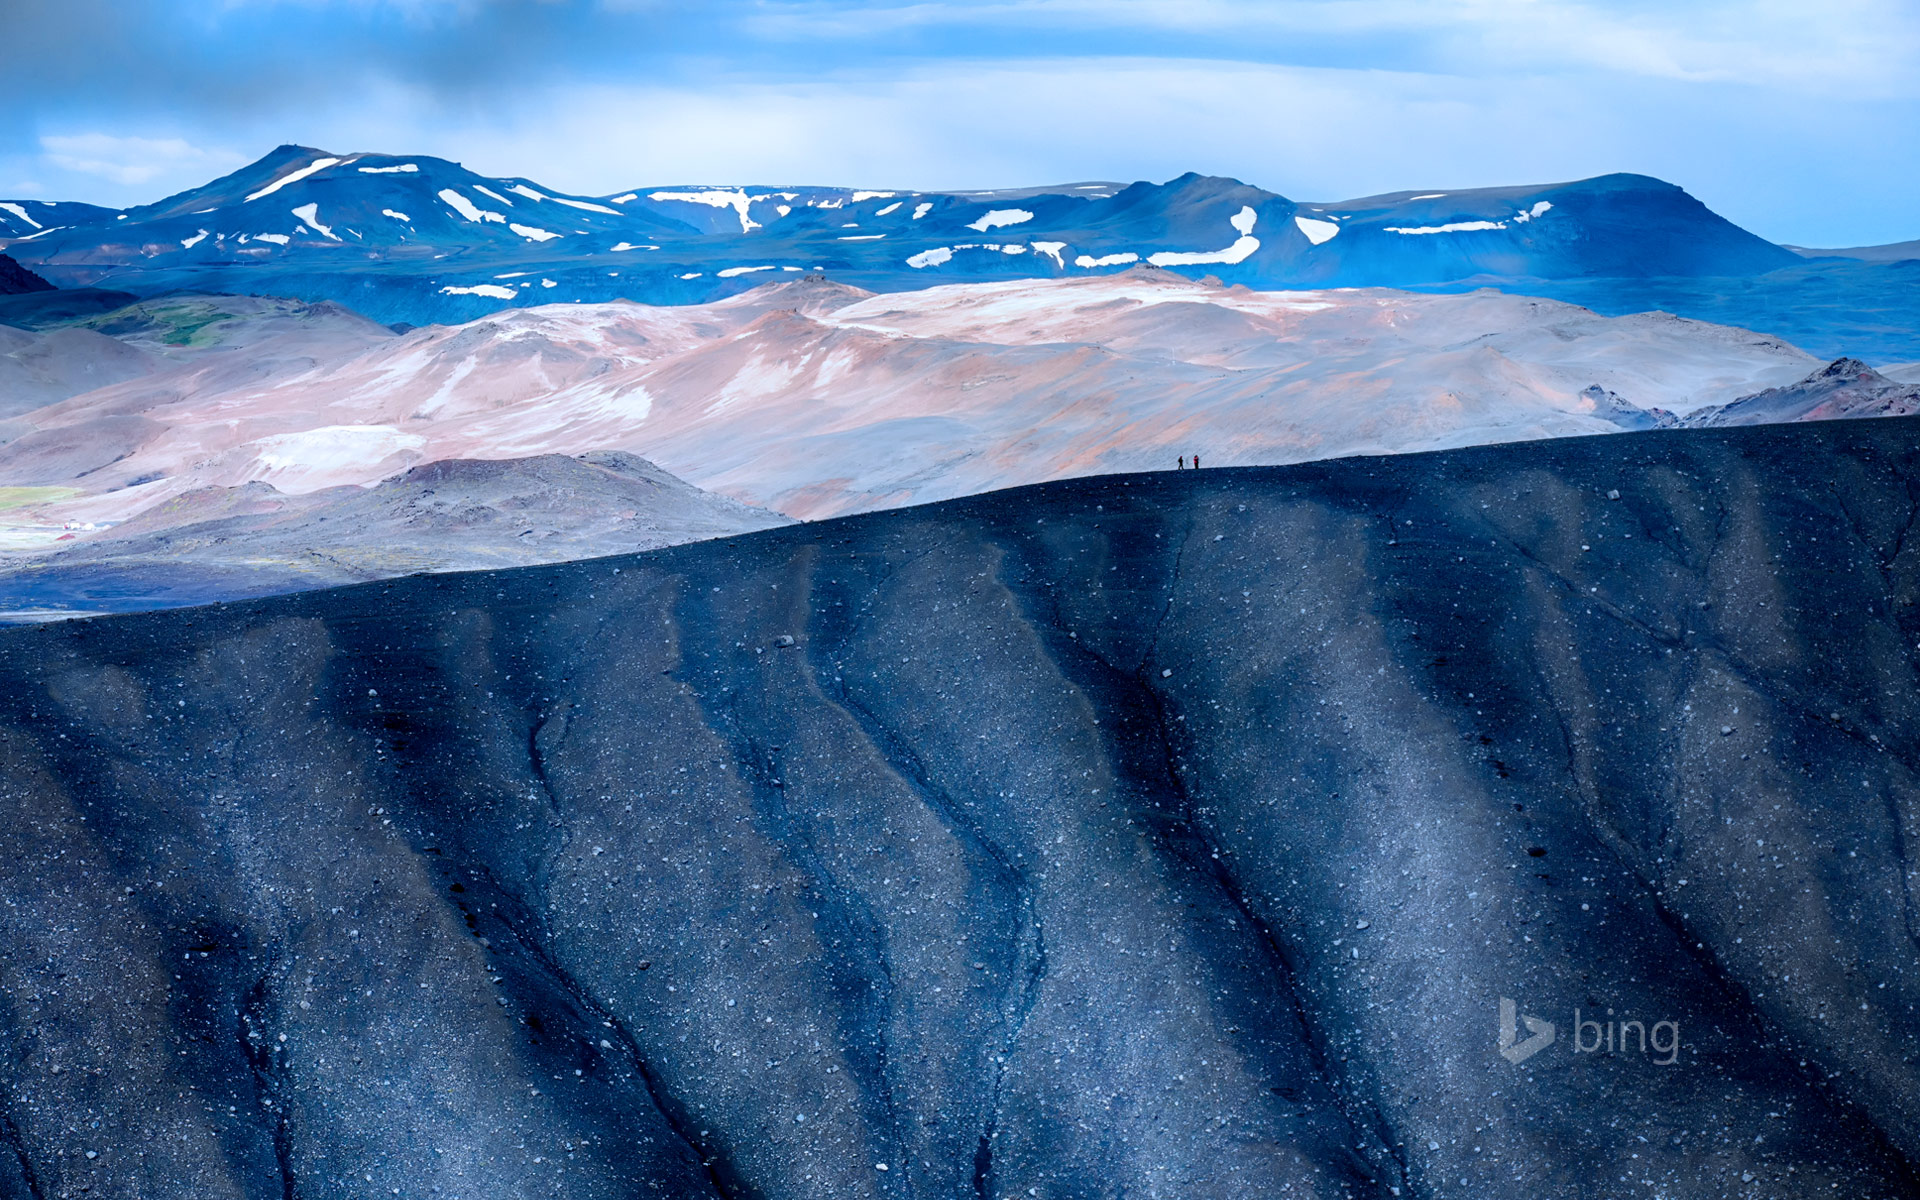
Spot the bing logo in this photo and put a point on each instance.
(1661, 1039)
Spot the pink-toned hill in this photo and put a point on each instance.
(815, 399)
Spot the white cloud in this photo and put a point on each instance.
(1838, 47)
(972, 125)
(135, 160)
(1311, 133)
(414, 9)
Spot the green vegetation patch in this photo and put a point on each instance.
(171, 323)
(19, 497)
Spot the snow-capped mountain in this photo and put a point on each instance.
(27, 220)
(319, 209)
(419, 238)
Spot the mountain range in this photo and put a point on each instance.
(417, 240)
(328, 367)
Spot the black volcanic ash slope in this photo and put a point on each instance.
(1169, 835)
(17, 280)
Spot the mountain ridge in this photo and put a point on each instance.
(300, 214)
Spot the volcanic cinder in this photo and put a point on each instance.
(1186, 834)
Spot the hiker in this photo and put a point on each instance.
(1183, 462)
(1196, 462)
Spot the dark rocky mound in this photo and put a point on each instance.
(39, 310)
(16, 280)
(1177, 835)
(1843, 389)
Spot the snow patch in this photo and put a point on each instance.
(547, 283)
(733, 198)
(889, 208)
(627, 402)
(484, 190)
(1052, 249)
(1238, 252)
(931, 258)
(1430, 196)
(995, 218)
(693, 275)
(195, 240)
(406, 168)
(278, 239)
(861, 237)
(398, 216)
(521, 189)
(491, 290)
(859, 196)
(921, 210)
(1455, 227)
(626, 199)
(532, 234)
(309, 215)
(1242, 247)
(467, 208)
(582, 204)
(1317, 231)
(633, 246)
(731, 272)
(320, 454)
(17, 211)
(318, 164)
(1538, 210)
(1106, 260)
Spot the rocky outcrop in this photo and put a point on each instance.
(16, 280)
(1845, 388)
(1610, 406)
(1210, 833)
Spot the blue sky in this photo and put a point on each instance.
(1799, 120)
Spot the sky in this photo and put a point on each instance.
(1800, 121)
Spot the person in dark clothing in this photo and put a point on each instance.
(1196, 462)
(1183, 462)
